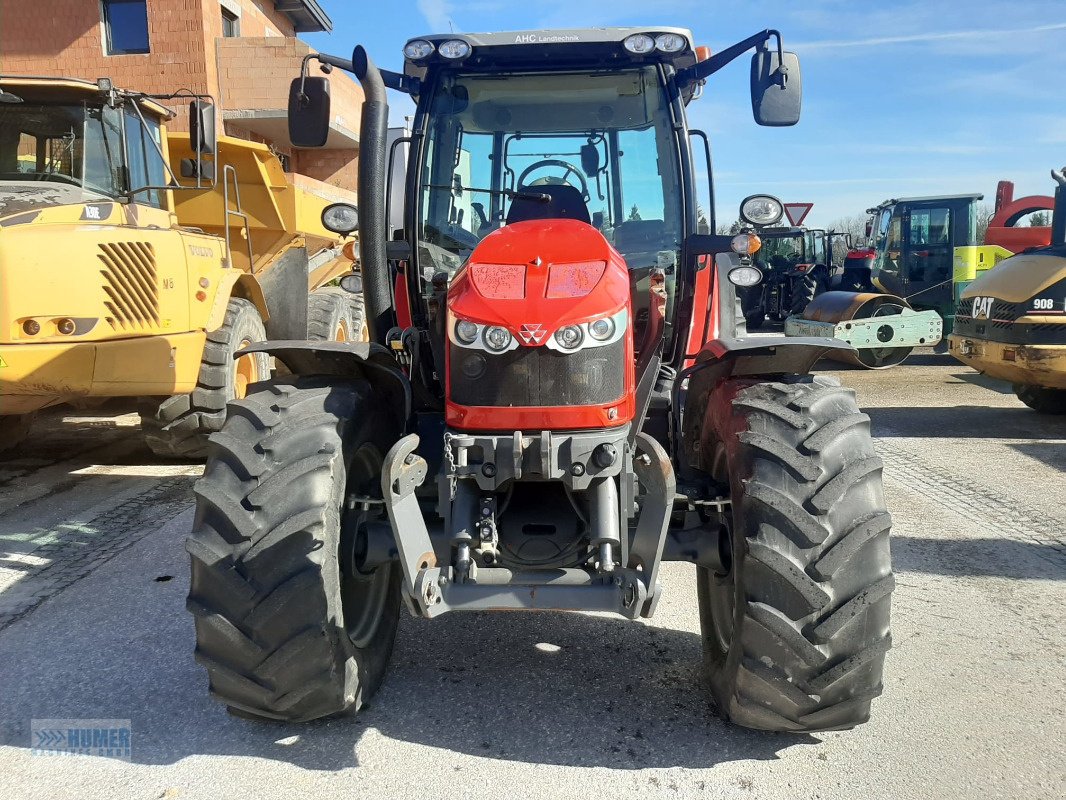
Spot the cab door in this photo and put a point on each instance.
(928, 253)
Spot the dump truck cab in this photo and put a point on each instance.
(135, 261)
(97, 282)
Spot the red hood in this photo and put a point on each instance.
(550, 273)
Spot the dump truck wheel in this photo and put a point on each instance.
(179, 426)
(335, 315)
(796, 624)
(1042, 399)
(14, 428)
(285, 631)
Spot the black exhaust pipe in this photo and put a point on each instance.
(1058, 218)
(373, 229)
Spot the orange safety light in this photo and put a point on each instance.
(703, 52)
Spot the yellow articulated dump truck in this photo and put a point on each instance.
(136, 263)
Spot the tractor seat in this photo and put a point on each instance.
(566, 203)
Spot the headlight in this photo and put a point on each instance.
(497, 339)
(570, 337)
(761, 209)
(670, 42)
(639, 44)
(745, 276)
(466, 331)
(418, 49)
(454, 48)
(340, 218)
(602, 329)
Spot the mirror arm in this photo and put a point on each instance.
(705, 69)
(392, 80)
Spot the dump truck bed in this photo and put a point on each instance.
(282, 209)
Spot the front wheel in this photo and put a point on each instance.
(287, 625)
(178, 426)
(796, 623)
(1042, 399)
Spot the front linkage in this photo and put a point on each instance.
(477, 466)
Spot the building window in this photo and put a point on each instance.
(126, 26)
(231, 24)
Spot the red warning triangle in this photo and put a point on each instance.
(797, 212)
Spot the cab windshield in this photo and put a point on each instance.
(780, 251)
(82, 145)
(605, 135)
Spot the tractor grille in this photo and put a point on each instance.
(130, 285)
(537, 376)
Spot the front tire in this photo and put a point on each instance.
(1042, 399)
(335, 315)
(796, 624)
(178, 427)
(287, 628)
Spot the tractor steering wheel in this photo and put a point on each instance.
(567, 168)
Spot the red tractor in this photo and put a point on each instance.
(559, 395)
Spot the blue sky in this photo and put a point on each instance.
(900, 97)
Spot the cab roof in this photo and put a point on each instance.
(41, 89)
(552, 51)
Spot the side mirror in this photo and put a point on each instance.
(203, 137)
(590, 160)
(776, 88)
(309, 112)
(340, 218)
(869, 228)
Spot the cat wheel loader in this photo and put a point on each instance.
(135, 262)
(1010, 323)
(558, 396)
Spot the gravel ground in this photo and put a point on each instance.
(555, 705)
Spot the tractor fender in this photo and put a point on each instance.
(759, 358)
(235, 283)
(369, 361)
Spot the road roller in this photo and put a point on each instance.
(903, 290)
(1010, 323)
(883, 328)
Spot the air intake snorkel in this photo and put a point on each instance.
(373, 135)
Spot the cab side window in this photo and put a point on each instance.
(145, 165)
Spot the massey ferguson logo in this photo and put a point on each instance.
(532, 333)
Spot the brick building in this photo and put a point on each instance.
(244, 53)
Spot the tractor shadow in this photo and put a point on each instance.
(561, 689)
(550, 688)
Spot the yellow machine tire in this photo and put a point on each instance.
(14, 428)
(1041, 398)
(178, 427)
(331, 310)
